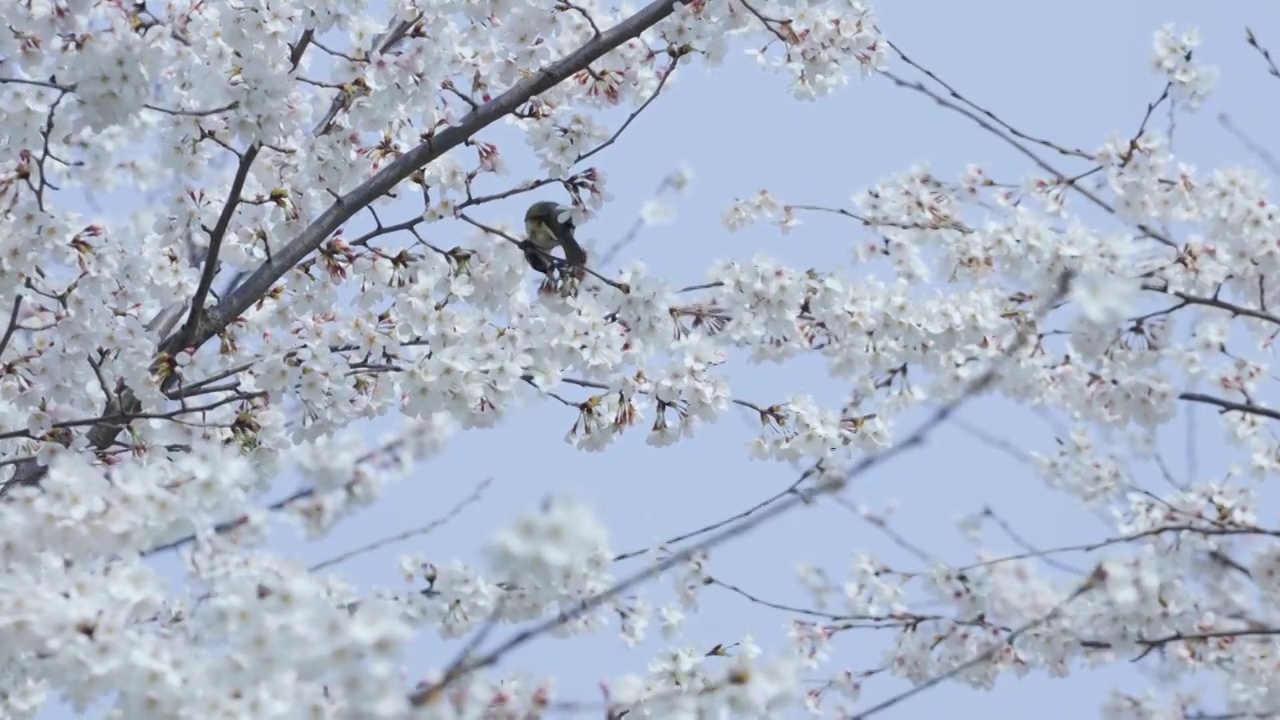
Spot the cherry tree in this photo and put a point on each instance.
(270, 274)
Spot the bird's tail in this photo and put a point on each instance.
(574, 255)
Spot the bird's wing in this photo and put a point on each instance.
(573, 252)
(564, 232)
(537, 261)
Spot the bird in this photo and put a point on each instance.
(548, 224)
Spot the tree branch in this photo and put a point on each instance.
(196, 332)
(1230, 406)
(219, 232)
(257, 284)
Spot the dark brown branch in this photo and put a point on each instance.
(1235, 310)
(1252, 41)
(298, 49)
(517, 190)
(1259, 152)
(474, 497)
(13, 324)
(1230, 406)
(216, 236)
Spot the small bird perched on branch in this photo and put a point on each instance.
(548, 224)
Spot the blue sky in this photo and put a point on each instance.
(1071, 72)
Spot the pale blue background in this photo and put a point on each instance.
(1072, 72)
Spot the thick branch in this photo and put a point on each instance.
(257, 284)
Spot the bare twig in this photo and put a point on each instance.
(633, 232)
(789, 490)
(1214, 302)
(1259, 152)
(1230, 406)
(298, 49)
(881, 524)
(1252, 41)
(662, 81)
(1026, 545)
(955, 94)
(407, 534)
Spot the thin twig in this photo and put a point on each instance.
(789, 490)
(662, 81)
(1259, 152)
(1230, 406)
(407, 534)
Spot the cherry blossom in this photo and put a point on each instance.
(295, 239)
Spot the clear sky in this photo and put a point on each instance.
(1072, 72)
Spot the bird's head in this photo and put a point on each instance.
(547, 211)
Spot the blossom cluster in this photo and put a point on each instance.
(166, 360)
